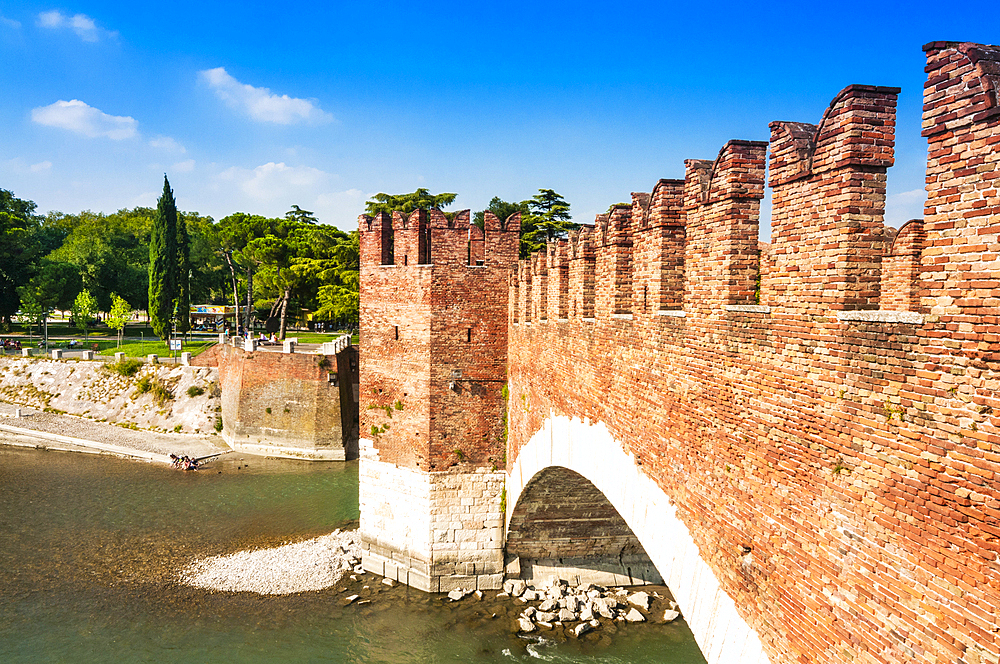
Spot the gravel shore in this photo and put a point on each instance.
(33, 419)
(292, 568)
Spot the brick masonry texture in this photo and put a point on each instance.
(855, 456)
(285, 404)
(433, 322)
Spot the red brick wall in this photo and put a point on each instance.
(901, 283)
(828, 184)
(306, 409)
(435, 339)
(858, 461)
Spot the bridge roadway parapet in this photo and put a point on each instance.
(802, 436)
(829, 446)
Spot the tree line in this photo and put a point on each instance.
(162, 260)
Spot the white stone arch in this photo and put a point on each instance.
(590, 450)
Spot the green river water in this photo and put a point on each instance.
(90, 548)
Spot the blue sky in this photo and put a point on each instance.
(255, 107)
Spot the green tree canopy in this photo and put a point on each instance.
(84, 309)
(547, 219)
(502, 209)
(163, 274)
(18, 249)
(110, 252)
(119, 315)
(421, 199)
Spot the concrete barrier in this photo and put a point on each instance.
(153, 358)
(26, 352)
(56, 353)
(186, 359)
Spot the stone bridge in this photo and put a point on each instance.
(799, 438)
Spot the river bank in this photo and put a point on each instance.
(24, 426)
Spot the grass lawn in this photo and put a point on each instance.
(144, 348)
(129, 347)
(314, 337)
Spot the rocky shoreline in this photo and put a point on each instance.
(323, 562)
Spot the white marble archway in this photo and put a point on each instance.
(590, 450)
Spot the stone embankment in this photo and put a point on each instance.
(155, 397)
(314, 564)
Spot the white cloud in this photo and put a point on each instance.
(341, 208)
(271, 181)
(41, 167)
(168, 144)
(259, 103)
(901, 207)
(80, 118)
(185, 166)
(84, 26)
(10, 23)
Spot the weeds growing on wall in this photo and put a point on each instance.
(150, 384)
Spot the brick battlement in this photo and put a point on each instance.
(833, 446)
(802, 435)
(692, 244)
(428, 237)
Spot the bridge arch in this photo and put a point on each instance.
(591, 451)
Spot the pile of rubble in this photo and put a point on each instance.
(581, 609)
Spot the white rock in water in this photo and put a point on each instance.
(587, 614)
(582, 629)
(548, 605)
(515, 587)
(525, 625)
(456, 595)
(388, 582)
(566, 615)
(545, 616)
(670, 615)
(529, 595)
(635, 616)
(602, 608)
(640, 599)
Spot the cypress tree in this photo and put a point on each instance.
(163, 263)
(183, 276)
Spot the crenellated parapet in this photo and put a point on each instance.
(828, 182)
(820, 411)
(901, 278)
(962, 215)
(426, 237)
(722, 201)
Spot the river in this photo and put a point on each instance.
(90, 547)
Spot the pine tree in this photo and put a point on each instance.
(183, 276)
(163, 263)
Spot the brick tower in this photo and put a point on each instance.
(432, 369)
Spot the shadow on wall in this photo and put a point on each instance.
(563, 525)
